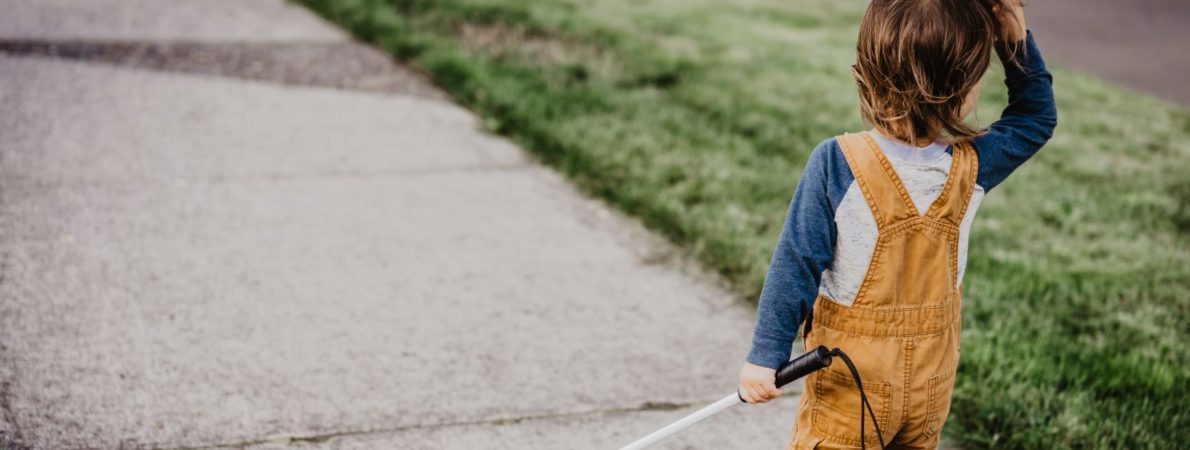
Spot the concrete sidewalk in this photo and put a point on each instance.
(202, 254)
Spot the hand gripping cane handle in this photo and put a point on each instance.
(801, 366)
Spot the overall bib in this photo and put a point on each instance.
(902, 332)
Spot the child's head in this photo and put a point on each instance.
(919, 65)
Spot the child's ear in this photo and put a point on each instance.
(996, 13)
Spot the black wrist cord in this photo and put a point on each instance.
(863, 401)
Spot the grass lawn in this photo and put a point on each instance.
(697, 116)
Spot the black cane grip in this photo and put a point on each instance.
(801, 366)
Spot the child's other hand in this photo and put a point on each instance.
(1012, 19)
(758, 384)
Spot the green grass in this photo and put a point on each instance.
(697, 116)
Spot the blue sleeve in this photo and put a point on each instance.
(804, 250)
(1028, 121)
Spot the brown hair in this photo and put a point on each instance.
(916, 62)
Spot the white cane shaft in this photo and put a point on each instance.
(686, 422)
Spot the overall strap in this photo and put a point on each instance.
(952, 202)
(886, 195)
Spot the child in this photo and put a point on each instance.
(875, 243)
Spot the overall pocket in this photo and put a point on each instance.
(938, 405)
(836, 411)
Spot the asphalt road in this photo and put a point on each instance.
(1141, 44)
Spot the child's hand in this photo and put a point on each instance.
(758, 384)
(1012, 19)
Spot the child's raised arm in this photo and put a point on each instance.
(1029, 120)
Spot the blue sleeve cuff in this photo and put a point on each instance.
(768, 351)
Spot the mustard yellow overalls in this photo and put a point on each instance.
(902, 332)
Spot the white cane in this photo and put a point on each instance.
(787, 373)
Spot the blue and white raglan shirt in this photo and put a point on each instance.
(830, 231)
